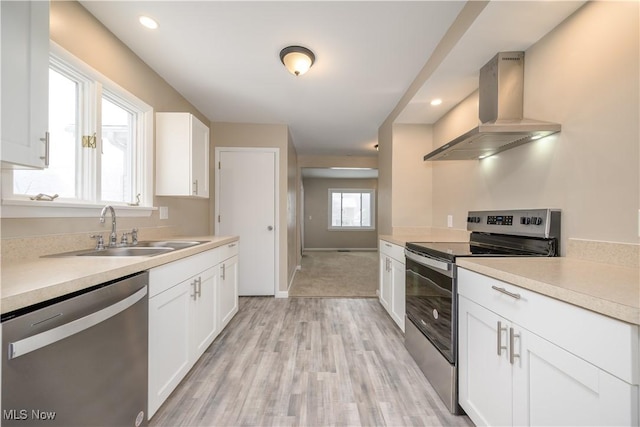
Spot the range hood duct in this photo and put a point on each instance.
(501, 93)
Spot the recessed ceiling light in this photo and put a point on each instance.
(437, 101)
(148, 22)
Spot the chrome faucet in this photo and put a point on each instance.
(113, 237)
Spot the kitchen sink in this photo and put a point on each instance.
(126, 251)
(142, 248)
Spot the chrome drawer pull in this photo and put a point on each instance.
(506, 292)
(512, 339)
(500, 346)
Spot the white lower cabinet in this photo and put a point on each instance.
(514, 368)
(204, 323)
(190, 301)
(169, 349)
(228, 290)
(392, 290)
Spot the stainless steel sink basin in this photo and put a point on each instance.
(126, 251)
(142, 248)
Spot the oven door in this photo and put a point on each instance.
(430, 300)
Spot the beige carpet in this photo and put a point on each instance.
(336, 274)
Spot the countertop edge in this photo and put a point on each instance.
(105, 271)
(624, 313)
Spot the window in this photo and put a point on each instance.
(351, 209)
(100, 142)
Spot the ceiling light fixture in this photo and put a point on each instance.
(437, 101)
(148, 22)
(297, 59)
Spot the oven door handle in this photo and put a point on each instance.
(446, 267)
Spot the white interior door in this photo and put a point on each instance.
(246, 207)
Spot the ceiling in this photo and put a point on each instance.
(223, 58)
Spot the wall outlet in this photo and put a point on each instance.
(164, 212)
(450, 221)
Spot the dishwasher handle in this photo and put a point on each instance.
(35, 342)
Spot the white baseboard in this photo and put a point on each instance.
(282, 294)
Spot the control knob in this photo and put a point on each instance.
(536, 220)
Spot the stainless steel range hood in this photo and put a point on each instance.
(502, 125)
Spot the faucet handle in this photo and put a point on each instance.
(99, 241)
(124, 240)
(134, 236)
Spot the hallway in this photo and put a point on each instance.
(337, 274)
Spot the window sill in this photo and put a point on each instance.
(57, 209)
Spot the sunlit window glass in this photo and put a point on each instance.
(117, 142)
(351, 209)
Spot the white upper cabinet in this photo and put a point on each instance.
(182, 155)
(25, 83)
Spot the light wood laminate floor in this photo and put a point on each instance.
(306, 362)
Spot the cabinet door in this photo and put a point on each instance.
(398, 280)
(182, 155)
(203, 288)
(25, 82)
(228, 290)
(169, 319)
(484, 375)
(385, 282)
(554, 387)
(199, 158)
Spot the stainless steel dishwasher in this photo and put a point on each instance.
(79, 360)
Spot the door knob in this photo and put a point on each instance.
(269, 228)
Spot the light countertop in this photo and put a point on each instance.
(603, 288)
(32, 281)
(402, 239)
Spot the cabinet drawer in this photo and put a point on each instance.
(392, 250)
(168, 275)
(607, 343)
(227, 251)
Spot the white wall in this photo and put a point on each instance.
(411, 176)
(584, 75)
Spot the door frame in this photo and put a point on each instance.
(276, 182)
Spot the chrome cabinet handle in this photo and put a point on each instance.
(194, 295)
(197, 288)
(224, 271)
(195, 184)
(506, 292)
(46, 149)
(387, 245)
(270, 228)
(512, 339)
(231, 245)
(500, 346)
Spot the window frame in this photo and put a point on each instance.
(88, 201)
(372, 194)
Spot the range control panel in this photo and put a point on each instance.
(500, 219)
(523, 222)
